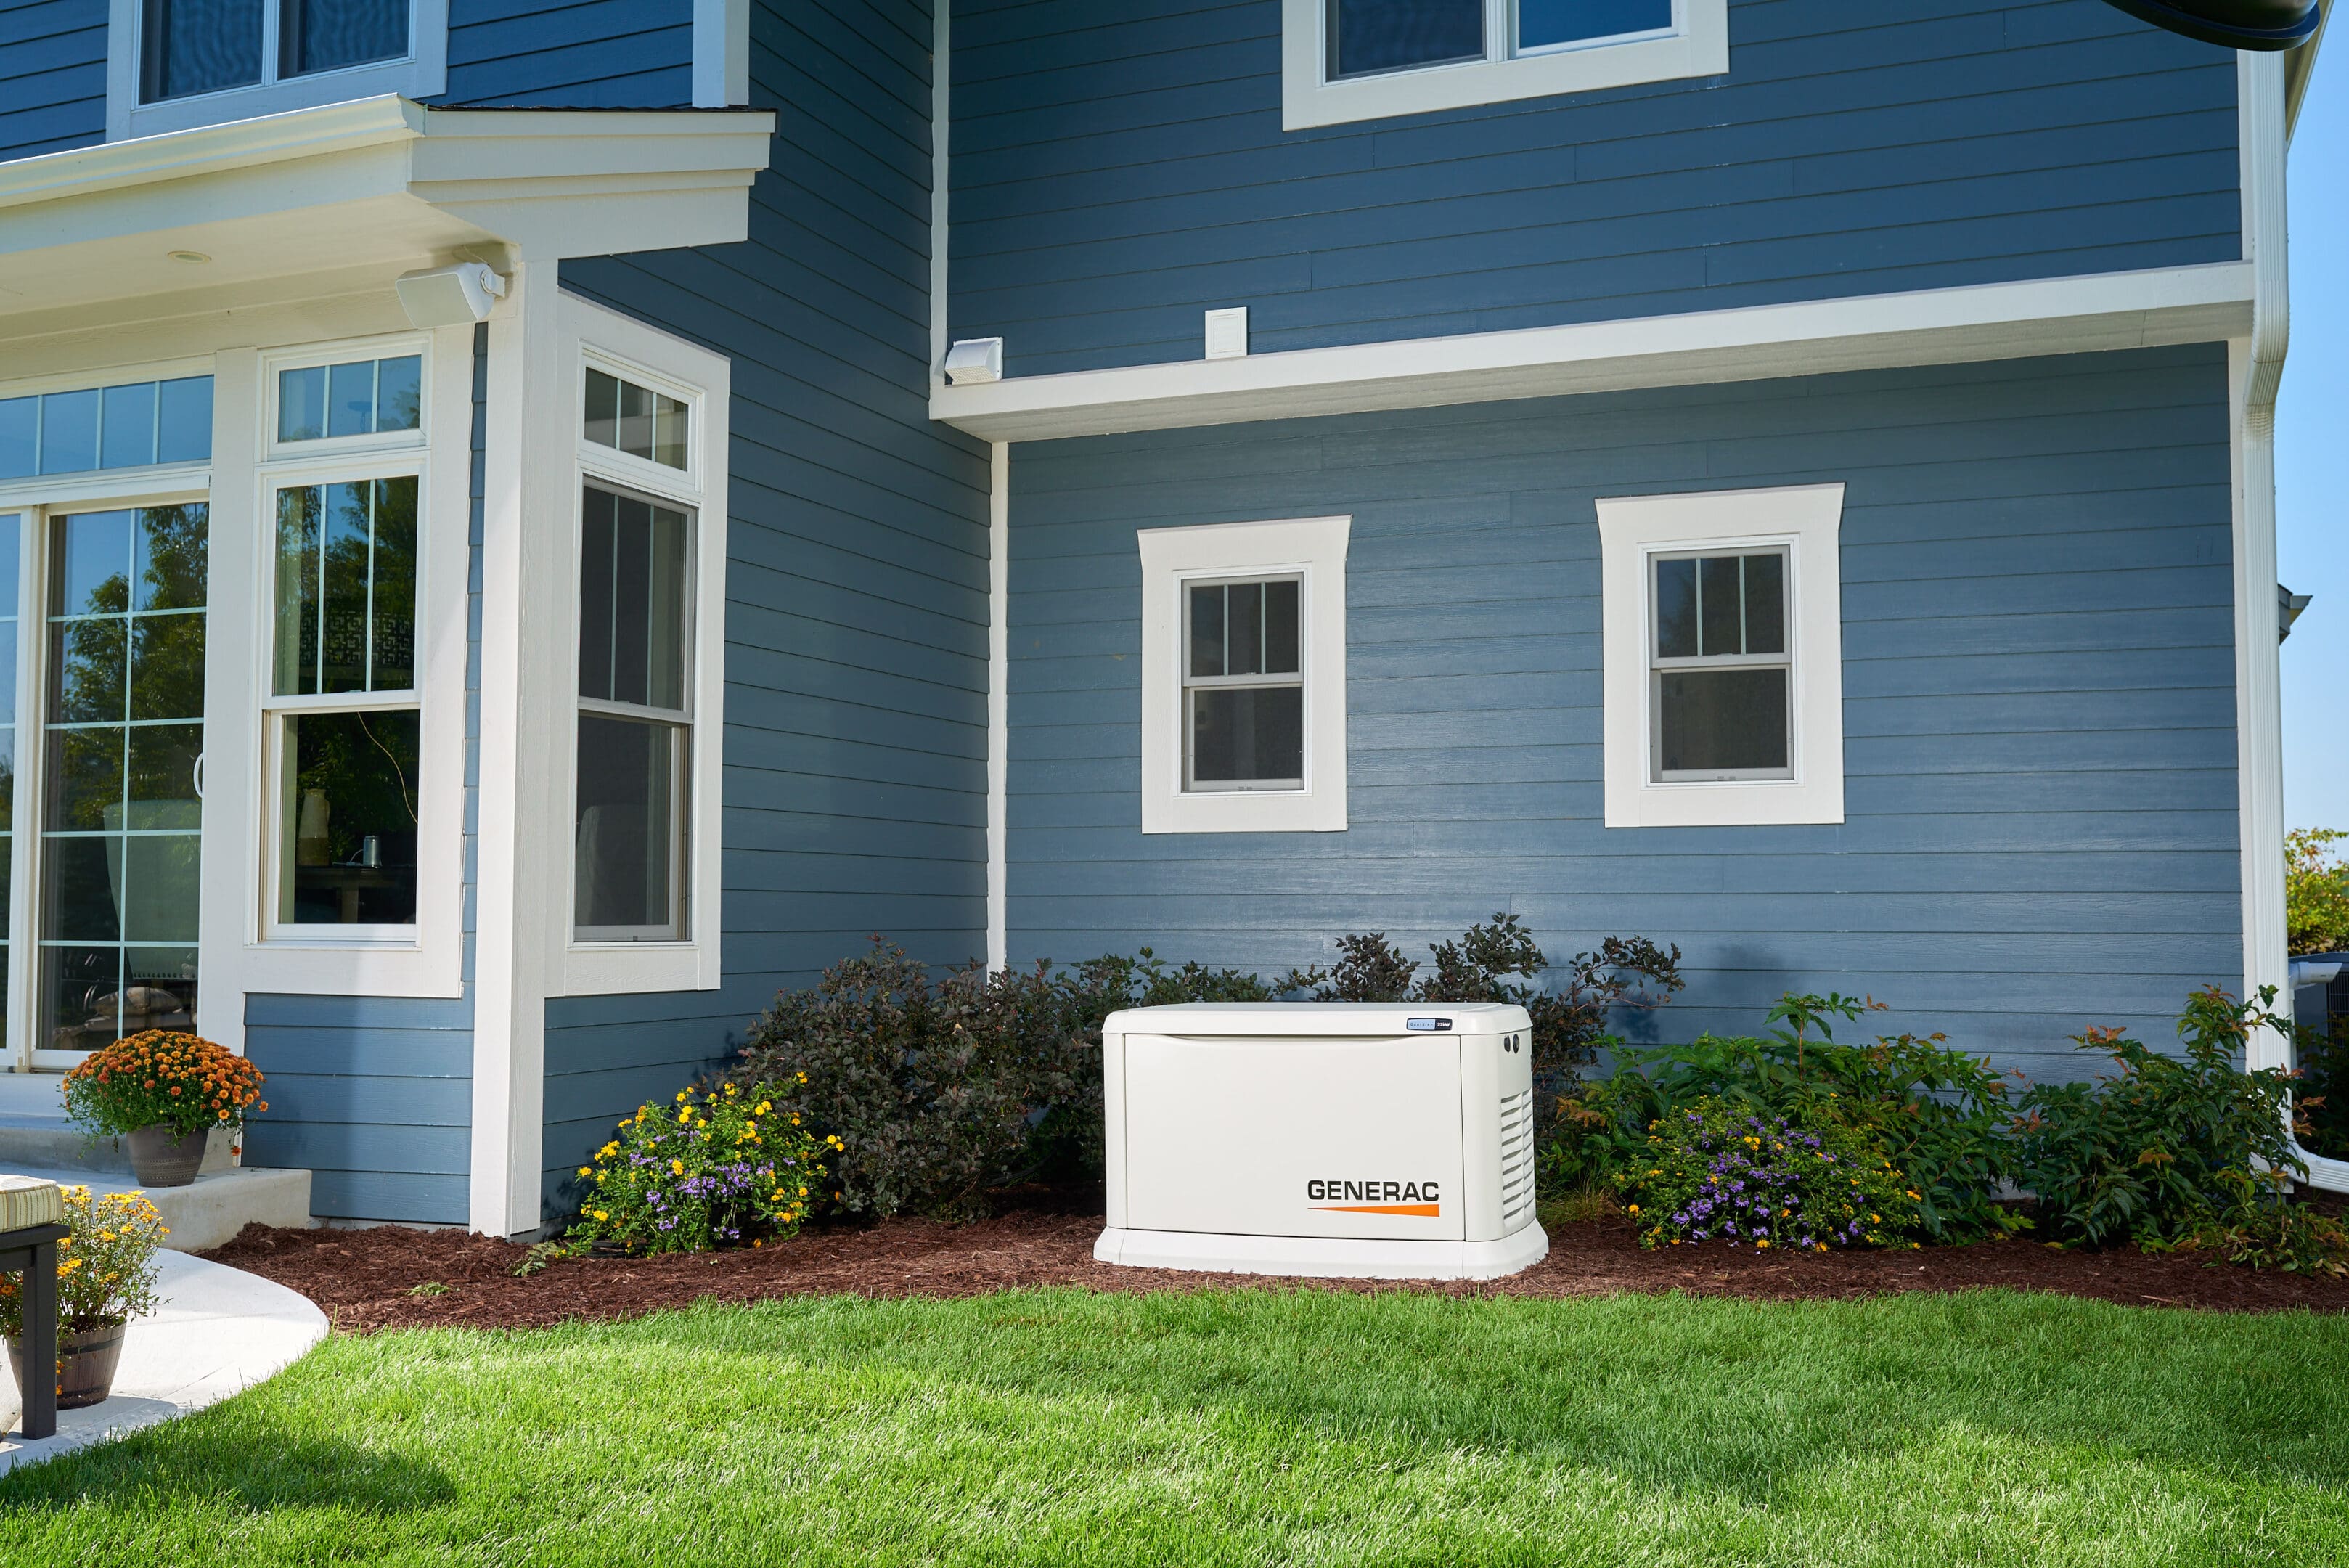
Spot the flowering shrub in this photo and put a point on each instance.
(728, 1167)
(161, 1078)
(2256, 1224)
(106, 1264)
(1718, 1173)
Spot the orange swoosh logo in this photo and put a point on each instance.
(1426, 1210)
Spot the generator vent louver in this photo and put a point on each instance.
(1517, 1157)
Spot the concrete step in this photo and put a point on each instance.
(210, 1209)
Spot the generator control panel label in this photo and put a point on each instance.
(1380, 1197)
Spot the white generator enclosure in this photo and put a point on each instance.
(1372, 1140)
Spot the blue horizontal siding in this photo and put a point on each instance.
(1114, 176)
(602, 54)
(373, 1095)
(855, 777)
(52, 76)
(2038, 678)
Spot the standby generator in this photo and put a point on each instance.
(1363, 1139)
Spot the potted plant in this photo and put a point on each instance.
(106, 1277)
(163, 1091)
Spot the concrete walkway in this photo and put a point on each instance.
(219, 1331)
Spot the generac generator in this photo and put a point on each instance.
(1363, 1139)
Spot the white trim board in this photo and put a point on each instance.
(721, 53)
(1931, 327)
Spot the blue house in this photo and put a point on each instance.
(526, 529)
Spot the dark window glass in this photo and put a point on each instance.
(127, 427)
(327, 35)
(1546, 21)
(200, 46)
(1766, 604)
(302, 404)
(1207, 630)
(1244, 629)
(69, 431)
(346, 595)
(346, 850)
(1280, 627)
(1723, 721)
(634, 419)
(184, 419)
(1247, 734)
(1366, 36)
(1721, 606)
(632, 607)
(20, 423)
(1676, 609)
(601, 413)
(628, 842)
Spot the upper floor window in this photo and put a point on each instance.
(1358, 60)
(175, 64)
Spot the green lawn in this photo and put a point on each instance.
(1252, 1428)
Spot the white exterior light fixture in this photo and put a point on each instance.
(974, 360)
(449, 295)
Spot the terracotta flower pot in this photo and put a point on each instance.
(161, 1157)
(86, 1363)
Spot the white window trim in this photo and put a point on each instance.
(1807, 522)
(1697, 45)
(425, 959)
(721, 53)
(423, 73)
(1311, 548)
(591, 335)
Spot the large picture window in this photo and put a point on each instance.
(634, 728)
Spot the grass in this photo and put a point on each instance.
(1253, 1428)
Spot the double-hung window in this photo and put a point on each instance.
(1722, 645)
(633, 790)
(1719, 702)
(1244, 677)
(343, 718)
(1356, 59)
(179, 63)
(1244, 686)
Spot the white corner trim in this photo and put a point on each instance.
(2205, 304)
(1315, 548)
(509, 946)
(999, 706)
(422, 73)
(721, 53)
(941, 169)
(1696, 45)
(670, 363)
(1807, 522)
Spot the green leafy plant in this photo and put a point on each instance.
(2255, 1223)
(930, 1093)
(1720, 1173)
(161, 1078)
(730, 1166)
(1939, 1113)
(106, 1264)
(2316, 891)
(2146, 1154)
(1493, 962)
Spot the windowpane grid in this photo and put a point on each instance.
(122, 743)
(1721, 683)
(1244, 703)
(345, 594)
(630, 847)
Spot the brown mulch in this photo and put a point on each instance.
(364, 1279)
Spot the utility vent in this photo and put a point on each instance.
(1228, 333)
(1517, 1157)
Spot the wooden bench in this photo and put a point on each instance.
(34, 1250)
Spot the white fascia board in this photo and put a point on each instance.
(382, 183)
(2209, 302)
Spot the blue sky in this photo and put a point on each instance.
(2313, 456)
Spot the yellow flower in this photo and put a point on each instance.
(677, 1168)
(586, 1171)
(601, 1214)
(1633, 1210)
(1763, 1245)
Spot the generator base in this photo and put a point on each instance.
(1323, 1257)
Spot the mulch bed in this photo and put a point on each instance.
(365, 1280)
